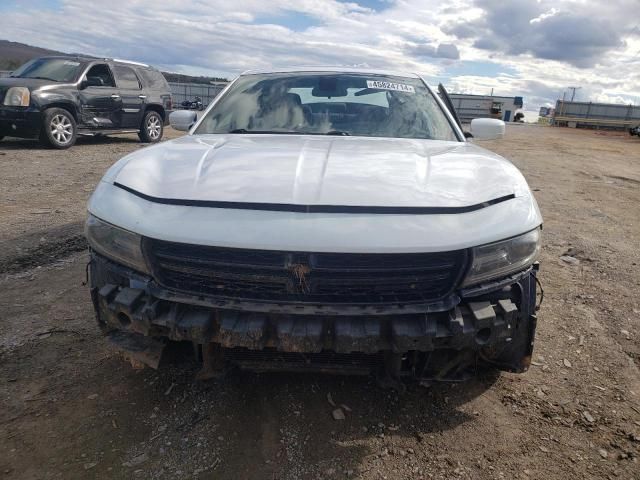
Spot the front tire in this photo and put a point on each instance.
(59, 128)
(152, 128)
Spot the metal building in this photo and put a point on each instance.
(596, 115)
(189, 91)
(485, 106)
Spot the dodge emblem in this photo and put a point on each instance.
(300, 272)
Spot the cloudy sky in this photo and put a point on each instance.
(533, 48)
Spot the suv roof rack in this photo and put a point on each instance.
(126, 61)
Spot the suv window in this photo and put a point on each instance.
(154, 79)
(102, 72)
(126, 77)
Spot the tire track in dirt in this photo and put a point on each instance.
(41, 247)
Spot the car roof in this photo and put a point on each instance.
(75, 57)
(332, 69)
(84, 58)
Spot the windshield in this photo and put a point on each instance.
(54, 69)
(329, 104)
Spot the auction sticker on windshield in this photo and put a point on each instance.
(380, 85)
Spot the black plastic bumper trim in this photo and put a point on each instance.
(473, 326)
(295, 208)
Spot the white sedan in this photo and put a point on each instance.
(320, 219)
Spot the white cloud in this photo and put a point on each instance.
(533, 43)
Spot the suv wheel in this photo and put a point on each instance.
(152, 127)
(58, 128)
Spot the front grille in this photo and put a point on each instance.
(299, 277)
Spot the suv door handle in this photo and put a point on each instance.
(142, 96)
(115, 96)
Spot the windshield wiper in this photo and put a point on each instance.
(44, 78)
(289, 132)
(282, 132)
(338, 132)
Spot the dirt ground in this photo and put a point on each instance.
(70, 407)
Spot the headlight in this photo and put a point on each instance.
(503, 258)
(115, 243)
(17, 97)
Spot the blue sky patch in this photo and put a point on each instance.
(377, 5)
(34, 4)
(478, 68)
(298, 22)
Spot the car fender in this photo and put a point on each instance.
(44, 99)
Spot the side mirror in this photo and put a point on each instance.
(91, 82)
(183, 119)
(487, 128)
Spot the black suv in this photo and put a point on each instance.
(57, 98)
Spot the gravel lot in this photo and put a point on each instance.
(72, 408)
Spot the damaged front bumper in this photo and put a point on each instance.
(494, 323)
(22, 122)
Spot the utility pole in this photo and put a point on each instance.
(573, 91)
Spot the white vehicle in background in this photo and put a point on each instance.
(320, 219)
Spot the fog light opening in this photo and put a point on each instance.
(483, 336)
(124, 319)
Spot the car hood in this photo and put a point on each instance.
(318, 170)
(30, 83)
